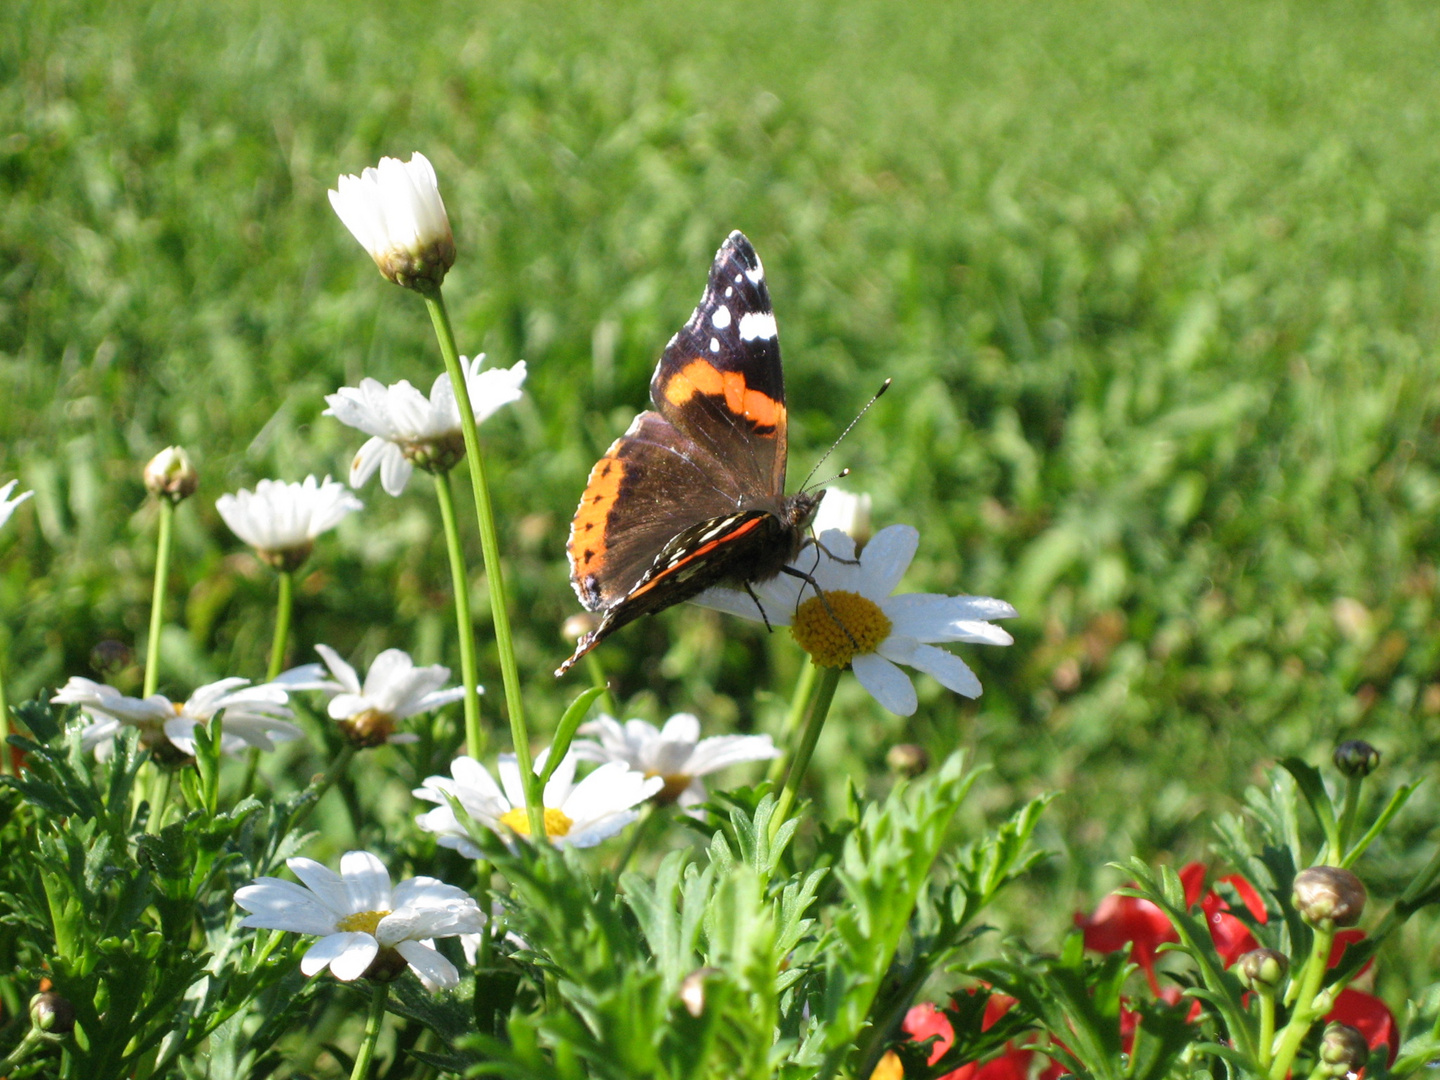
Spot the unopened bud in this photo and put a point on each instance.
(907, 759)
(1327, 897)
(692, 990)
(110, 656)
(1262, 969)
(1343, 1050)
(1356, 758)
(170, 475)
(52, 1013)
(577, 626)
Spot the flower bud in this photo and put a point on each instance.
(577, 626)
(907, 759)
(52, 1013)
(1343, 1050)
(1356, 758)
(396, 213)
(692, 990)
(170, 475)
(387, 966)
(110, 656)
(1327, 897)
(1262, 969)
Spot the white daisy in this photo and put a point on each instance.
(171, 475)
(675, 753)
(846, 512)
(408, 429)
(857, 623)
(396, 213)
(361, 921)
(578, 815)
(254, 716)
(281, 521)
(7, 504)
(394, 690)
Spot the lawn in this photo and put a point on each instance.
(1158, 286)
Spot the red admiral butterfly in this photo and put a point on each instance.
(693, 494)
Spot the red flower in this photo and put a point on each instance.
(1231, 936)
(1122, 920)
(1368, 1015)
(925, 1020)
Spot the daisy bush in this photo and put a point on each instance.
(314, 872)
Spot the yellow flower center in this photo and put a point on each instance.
(369, 728)
(362, 922)
(518, 820)
(835, 627)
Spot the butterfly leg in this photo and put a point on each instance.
(810, 580)
(845, 562)
(760, 608)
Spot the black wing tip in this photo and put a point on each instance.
(739, 244)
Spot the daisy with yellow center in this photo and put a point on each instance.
(674, 753)
(255, 716)
(366, 927)
(856, 623)
(576, 814)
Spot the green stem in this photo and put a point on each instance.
(284, 607)
(809, 736)
(159, 798)
(1304, 1013)
(1267, 1027)
(4, 725)
(494, 571)
(372, 1032)
(32, 1039)
(465, 624)
(1347, 816)
(157, 598)
(799, 702)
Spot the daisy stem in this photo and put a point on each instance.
(373, 1021)
(804, 691)
(159, 797)
(284, 607)
(809, 736)
(460, 584)
(325, 783)
(494, 571)
(157, 598)
(1305, 1012)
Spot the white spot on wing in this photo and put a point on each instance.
(721, 317)
(757, 324)
(729, 291)
(714, 344)
(737, 279)
(758, 274)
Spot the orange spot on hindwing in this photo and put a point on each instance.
(587, 532)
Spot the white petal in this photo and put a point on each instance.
(343, 672)
(509, 770)
(327, 885)
(348, 955)
(935, 617)
(434, 970)
(682, 727)
(890, 686)
(885, 560)
(947, 669)
(599, 829)
(275, 904)
(367, 882)
(719, 751)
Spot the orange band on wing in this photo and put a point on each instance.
(702, 377)
(587, 531)
(699, 552)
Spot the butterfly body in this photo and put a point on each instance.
(693, 494)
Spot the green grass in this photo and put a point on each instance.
(1157, 284)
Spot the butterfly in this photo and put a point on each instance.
(693, 494)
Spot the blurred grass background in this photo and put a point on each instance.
(1157, 284)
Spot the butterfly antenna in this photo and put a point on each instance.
(883, 387)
